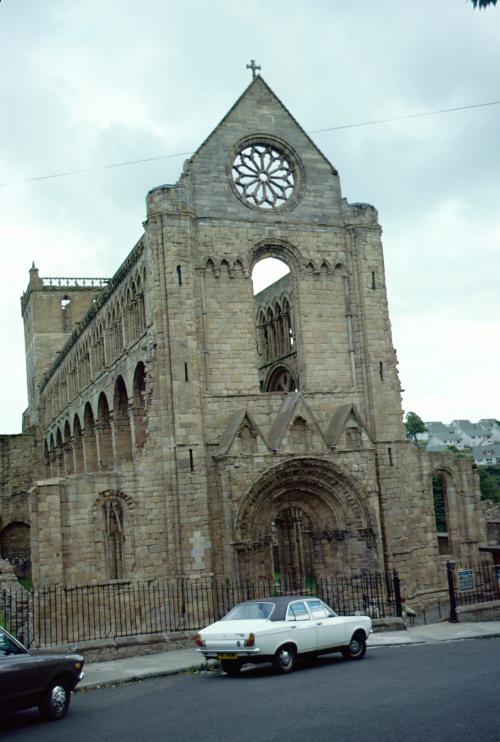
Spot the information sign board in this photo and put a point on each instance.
(466, 581)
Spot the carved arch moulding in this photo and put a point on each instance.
(217, 265)
(322, 488)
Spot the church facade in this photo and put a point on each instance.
(180, 425)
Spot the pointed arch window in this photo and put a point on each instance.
(440, 511)
(114, 537)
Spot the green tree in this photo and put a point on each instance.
(414, 425)
(489, 482)
(456, 451)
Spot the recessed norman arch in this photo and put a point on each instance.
(304, 520)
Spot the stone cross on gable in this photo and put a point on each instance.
(254, 67)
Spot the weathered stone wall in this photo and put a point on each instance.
(163, 458)
(18, 456)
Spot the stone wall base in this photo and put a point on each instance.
(122, 647)
(479, 612)
(388, 624)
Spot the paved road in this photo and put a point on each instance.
(448, 692)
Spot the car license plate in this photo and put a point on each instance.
(227, 656)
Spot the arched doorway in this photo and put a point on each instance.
(305, 520)
(16, 548)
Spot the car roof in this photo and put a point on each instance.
(281, 603)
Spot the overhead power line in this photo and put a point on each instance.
(315, 131)
(407, 116)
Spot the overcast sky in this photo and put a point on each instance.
(86, 83)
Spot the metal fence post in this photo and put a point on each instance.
(451, 590)
(397, 592)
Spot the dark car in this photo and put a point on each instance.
(43, 680)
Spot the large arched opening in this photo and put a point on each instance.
(275, 320)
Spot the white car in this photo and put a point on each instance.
(280, 629)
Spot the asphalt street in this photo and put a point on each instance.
(447, 692)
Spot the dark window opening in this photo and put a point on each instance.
(66, 313)
(191, 460)
(439, 495)
(391, 462)
(381, 370)
(186, 374)
(179, 275)
(374, 286)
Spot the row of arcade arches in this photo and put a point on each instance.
(104, 440)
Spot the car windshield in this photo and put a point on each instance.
(8, 646)
(246, 611)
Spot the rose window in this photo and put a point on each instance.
(264, 175)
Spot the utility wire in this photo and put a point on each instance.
(408, 116)
(316, 131)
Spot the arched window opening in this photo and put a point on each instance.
(440, 511)
(130, 316)
(300, 435)
(72, 381)
(59, 454)
(123, 437)
(66, 313)
(141, 309)
(139, 409)
(52, 457)
(281, 380)
(262, 338)
(78, 446)
(104, 434)
(247, 439)
(89, 439)
(287, 327)
(98, 357)
(280, 335)
(46, 459)
(68, 450)
(274, 296)
(114, 537)
(84, 369)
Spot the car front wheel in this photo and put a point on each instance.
(284, 659)
(55, 702)
(231, 667)
(356, 648)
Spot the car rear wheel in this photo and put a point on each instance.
(356, 648)
(284, 659)
(231, 667)
(55, 702)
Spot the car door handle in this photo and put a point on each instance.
(293, 627)
(320, 623)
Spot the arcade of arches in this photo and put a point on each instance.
(105, 440)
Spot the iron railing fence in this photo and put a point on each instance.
(472, 583)
(55, 615)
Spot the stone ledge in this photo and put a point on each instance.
(122, 647)
(489, 611)
(388, 624)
